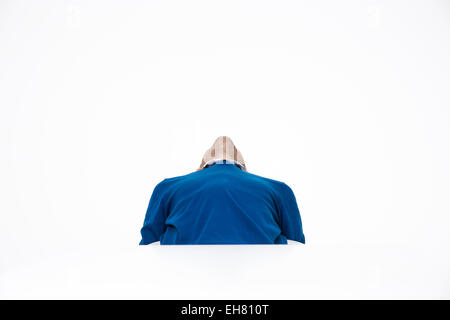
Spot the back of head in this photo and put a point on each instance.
(223, 149)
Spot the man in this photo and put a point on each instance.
(221, 203)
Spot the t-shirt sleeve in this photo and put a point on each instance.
(154, 222)
(289, 215)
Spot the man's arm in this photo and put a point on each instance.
(154, 223)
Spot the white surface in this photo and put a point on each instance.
(233, 272)
(99, 101)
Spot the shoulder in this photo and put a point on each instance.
(168, 183)
(276, 185)
(266, 180)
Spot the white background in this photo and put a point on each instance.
(345, 101)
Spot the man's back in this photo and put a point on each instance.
(222, 204)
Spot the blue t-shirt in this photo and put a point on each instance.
(222, 204)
